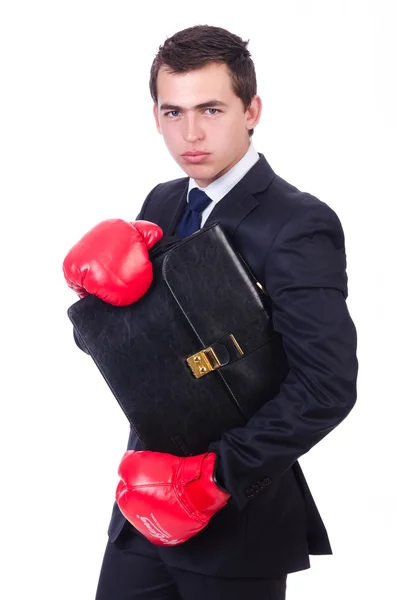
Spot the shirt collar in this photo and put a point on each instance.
(221, 186)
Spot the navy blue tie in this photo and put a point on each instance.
(191, 218)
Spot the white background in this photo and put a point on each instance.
(78, 145)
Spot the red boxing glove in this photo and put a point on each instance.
(167, 498)
(111, 261)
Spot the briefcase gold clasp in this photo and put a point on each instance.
(203, 362)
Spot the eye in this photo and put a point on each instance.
(177, 111)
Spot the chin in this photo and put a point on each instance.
(197, 170)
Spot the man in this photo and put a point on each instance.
(264, 522)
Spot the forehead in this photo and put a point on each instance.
(211, 81)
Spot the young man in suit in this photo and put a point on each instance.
(258, 520)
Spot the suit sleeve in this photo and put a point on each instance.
(305, 276)
(76, 336)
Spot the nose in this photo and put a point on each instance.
(192, 130)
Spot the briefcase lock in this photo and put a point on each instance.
(207, 360)
(203, 362)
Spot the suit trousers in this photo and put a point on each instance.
(132, 570)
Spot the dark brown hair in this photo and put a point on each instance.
(197, 46)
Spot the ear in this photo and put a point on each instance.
(253, 112)
(156, 118)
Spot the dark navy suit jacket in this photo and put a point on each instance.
(294, 244)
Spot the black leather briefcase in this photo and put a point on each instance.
(197, 354)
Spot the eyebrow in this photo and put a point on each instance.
(209, 104)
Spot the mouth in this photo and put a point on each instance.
(195, 157)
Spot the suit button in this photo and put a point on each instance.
(266, 481)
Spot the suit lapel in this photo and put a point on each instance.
(167, 208)
(232, 209)
(241, 200)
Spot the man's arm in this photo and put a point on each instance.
(305, 275)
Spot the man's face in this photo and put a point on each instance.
(190, 121)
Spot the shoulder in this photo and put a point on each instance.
(162, 190)
(299, 209)
(307, 248)
(309, 241)
(174, 185)
(291, 199)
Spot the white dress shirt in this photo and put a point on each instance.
(221, 186)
